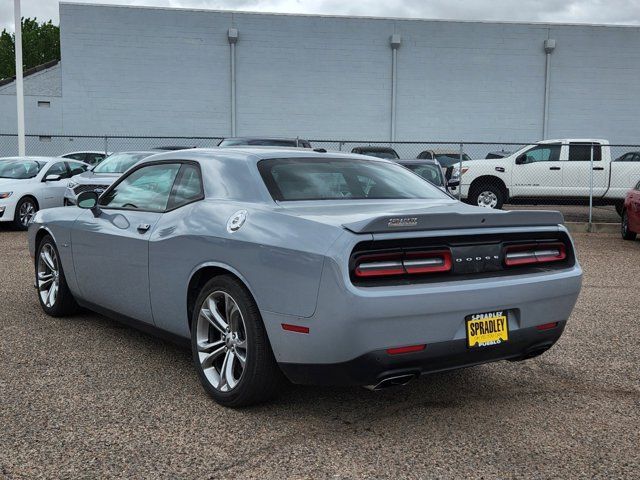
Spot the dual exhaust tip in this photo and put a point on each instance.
(392, 381)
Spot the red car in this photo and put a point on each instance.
(631, 214)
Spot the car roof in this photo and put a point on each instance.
(35, 158)
(429, 161)
(374, 148)
(85, 151)
(293, 139)
(255, 154)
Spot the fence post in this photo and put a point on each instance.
(460, 172)
(591, 192)
(106, 146)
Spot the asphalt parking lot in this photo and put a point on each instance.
(87, 397)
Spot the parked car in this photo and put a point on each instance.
(628, 157)
(29, 184)
(549, 171)
(446, 158)
(631, 214)
(91, 157)
(102, 175)
(498, 154)
(167, 148)
(379, 152)
(264, 142)
(430, 170)
(329, 268)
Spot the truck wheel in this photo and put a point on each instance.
(626, 233)
(487, 196)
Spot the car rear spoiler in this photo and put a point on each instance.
(455, 220)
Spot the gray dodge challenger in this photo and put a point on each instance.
(317, 267)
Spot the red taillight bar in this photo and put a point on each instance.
(547, 326)
(385, 264)
(534, 253)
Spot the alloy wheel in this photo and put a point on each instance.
(221, 341)
(48, 275)
(26, 213)
(487, 199)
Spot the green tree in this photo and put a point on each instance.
(40, 44)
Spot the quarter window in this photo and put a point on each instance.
(580, 152)
(187, 188)
(76, 168)
(147, 188)
(59, 168)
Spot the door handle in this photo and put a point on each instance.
(598, 168)
(554, 168)
(143, 227)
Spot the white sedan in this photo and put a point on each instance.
(29, 184)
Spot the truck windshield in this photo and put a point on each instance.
(290, 179)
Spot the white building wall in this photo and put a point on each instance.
(154, 71)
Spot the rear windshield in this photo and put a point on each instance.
(431, 173)
(291, 179)
(448, 159)
(119, 162)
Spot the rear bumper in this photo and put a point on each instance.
(371, 368)
(354, 324)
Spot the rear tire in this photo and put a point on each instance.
(53, 292)
(619, 208)
(25, 210)
(231, 352)
(487, 195)
(624, 226)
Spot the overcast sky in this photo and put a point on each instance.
(567, 11)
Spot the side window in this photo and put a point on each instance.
(580, 152)
(147, 188)
(426, 154)
(634, 158)
(76, 168)
(187, 187)
(544, 153)
(638, 186)
(59, 168)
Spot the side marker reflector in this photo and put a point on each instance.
(295, 328)
(409, 349)
(547, 326)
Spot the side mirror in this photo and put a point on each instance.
(521, 159)
(88, 201)
(52, 177)
(453, 183)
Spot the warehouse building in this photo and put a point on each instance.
(157, 71)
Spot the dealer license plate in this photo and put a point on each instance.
(486, 329)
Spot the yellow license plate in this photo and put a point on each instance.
(486, 329)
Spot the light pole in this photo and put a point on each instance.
(19, 82)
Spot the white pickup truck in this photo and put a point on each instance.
(548, 171)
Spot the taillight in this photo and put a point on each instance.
(401, 263)
(534, 253)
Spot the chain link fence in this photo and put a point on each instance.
(586, 181)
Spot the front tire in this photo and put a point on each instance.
(624, 226)
(25, 210)
(53, 292)
(487, 196)
(231, 351)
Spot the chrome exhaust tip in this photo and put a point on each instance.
(393, 381)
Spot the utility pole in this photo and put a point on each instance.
(19, 81)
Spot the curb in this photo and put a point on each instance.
(582, 227)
